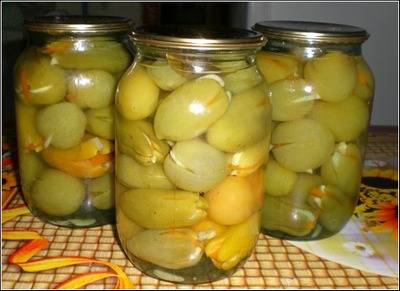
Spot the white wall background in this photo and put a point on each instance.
(380, 50)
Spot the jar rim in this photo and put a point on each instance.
(78, 24)
(198, 37)
(312, 32)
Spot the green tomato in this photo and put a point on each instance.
(165, 76)
(91, 89)
(56, 193)
(137, 94)
(37, 80)
(347, 120)
(100, 122)
(332, 75)
(62, 124)
(101, 192)
(190, 109)
(246, 122)
(301, 145)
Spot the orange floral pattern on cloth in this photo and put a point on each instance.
(8, 181)
(378, 204)
(9, 184)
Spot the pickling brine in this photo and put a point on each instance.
(193, 132)
(65, 82)
(321, 90)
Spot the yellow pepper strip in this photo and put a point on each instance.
(90, 168)
(58, 262)
(90, 147)
(20, 235)
(124, 282)
(233, 245)
(84, 279)
(53, 263)
(27, 251)
(9, 214)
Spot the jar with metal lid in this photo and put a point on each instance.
(65, 83)
(320, 88)
(192, 133)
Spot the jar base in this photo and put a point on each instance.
(203, 272)
(319, 232)
(79, 219)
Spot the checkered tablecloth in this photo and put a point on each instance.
(274, 263)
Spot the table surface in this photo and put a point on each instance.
(275, 263)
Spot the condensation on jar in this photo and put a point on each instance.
(320, 88)
(64, 83)
(193, 128)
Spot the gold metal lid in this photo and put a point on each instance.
(198, 37)
(79, 24)
(312, 32)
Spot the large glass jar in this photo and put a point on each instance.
(65, 83)
(192, 133)
(320, 89)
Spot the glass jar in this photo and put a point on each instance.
(193, 126)
(321, 90)
(64, 83)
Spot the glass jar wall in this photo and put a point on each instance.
(64, 85)
(193, 130)
(320, 88)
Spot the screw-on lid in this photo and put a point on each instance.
(198, 37)
(311, 32)
(79, 24)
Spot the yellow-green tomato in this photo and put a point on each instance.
(31, 167)
(236, 243)
(170, 248)
(347, 120)
(277, 66)
(133, 174)
(279, 181)
(56, 193)
(91, 88)
(37, 80)
(291, 99)
(137, 94)
(247, 121)
(249, 160)
(291, 213)
(89, 53)
(100, 122)
(242, 80)
(62, 124)
(335, 206)
(302, 188)
(190, 109)
(165, 76)
(194, 165)
(138, 140)
(332, 75)
(160, 209)
(231, 202)
(301, 145)
(126, 227)
(283, 215)
(28, 137)
(365, 80)
(344, 169)
(101, 192)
